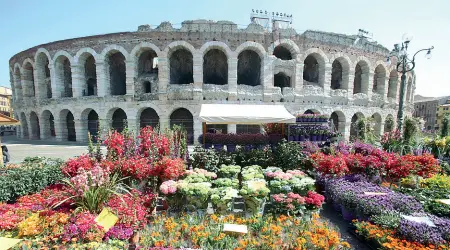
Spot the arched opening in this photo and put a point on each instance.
(18, 83)
(48, 125)
(336, 75)
(182, 117)
(117, 73)
(311, 70)
(311, 112)
(147, 71)
(149, 117)
(337, 119)
(35, 128)
(215, 67)
(377, 119)
(393, 82)
(360, 82)
(43, 76)
(93, 125)
(24, 125)
(70, 123)
(354, 130)
(282, 80)
(282, 52)
(63, 76)
(28, 80)
(181, 67)
(378, 79)
(119, 120)
(90, 76)
(249, 68)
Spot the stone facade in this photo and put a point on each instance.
(156, 76)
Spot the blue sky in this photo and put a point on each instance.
(24, 24)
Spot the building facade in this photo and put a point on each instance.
(442, 111)
(5, 101)
(68, 88)
(428, 109)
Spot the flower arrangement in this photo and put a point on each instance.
(196, 194)
(173, 197)
(229, 171)
(254, 194)
(290, 204)
(226, 182)
(222, 199)
(199, 175)
(252, 172)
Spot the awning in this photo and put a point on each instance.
(6, 120)
(244, 114)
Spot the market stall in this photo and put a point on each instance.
(243, 114)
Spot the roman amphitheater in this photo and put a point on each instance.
(162, 75)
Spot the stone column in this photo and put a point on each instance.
(18, 87)
(164, 121)
(382, 87)
(61, 130)
(366, 84)
(232, 77)
(44, 127)
(55, 82)
(351, 82)
(231, 128)
(27, 85)
(327, 81)
(130, 69)
(103, 88)
(198, 75)
(346, 134)
(81, 130)
(198, 129)
(37, 74)
(298, 77)
(163, 75)
(77, 81)
(267, 78)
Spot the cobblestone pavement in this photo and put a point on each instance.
(335, 218)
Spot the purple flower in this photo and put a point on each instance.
(420, 232)
(119, 232)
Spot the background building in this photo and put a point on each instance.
(162, 75)
(5, 101)
(443, 110)
(428, 109)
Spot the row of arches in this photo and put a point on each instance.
(79, 75)
(91, 123)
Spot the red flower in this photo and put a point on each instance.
(72, 166)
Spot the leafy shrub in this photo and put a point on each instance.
(441, 182)
(288, 155)
(31, 177)
(205, 159)
(261, 157)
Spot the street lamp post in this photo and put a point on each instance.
(404, 65)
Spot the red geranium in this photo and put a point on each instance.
(330, 164)
(130, 209)
(71, 167)
(168, 169)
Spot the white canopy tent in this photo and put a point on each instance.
(244, 114)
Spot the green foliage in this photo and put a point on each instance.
(444, 129)
(366, 130)
(445, 168)
(410, 130)
(428, 198)
(387, 220)
(260, 157)
(288, 156)
(205, 159)
(32, 176)
(437, 182)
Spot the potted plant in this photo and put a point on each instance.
(229, 171)
(208, 143)
(173, 199)
(196, 194)
(313, 134)
(302, 133)
(222, 199)
(292, 133)
(231, 141)
(217, 141)
(254, 194)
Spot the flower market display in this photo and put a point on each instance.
(393, 201)
(153, 200)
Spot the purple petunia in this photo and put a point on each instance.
(420, 232)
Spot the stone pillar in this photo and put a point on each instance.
(61, 130)
(37, 74)
(18, 87)
(382, 87)
(346, 134)
(44, 127)
(164, 121)
(130, 69)
(267, 78)
(102, 78)
(327, 81)
(366, 84)
(81, 130)
(382, 128)
(104, 127)
(351, 82)
(77, 80)
(132, 125)
(55, 82)
(198, 129)
(232, 77)
(231, 128)
(27, 85)
(298, 77)
(163, 75)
